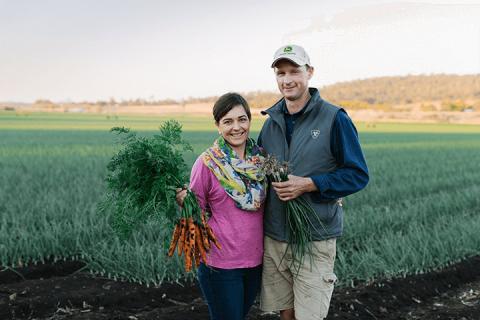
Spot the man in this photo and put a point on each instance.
(320, 144)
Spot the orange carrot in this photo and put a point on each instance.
(181, 240)
(206, 241)
(189, 244)
(204, 219)
(199, 244)
(211, 236)
(198, 257)
(188, 258)
(204, 234)
(175, 236)
(188, 263)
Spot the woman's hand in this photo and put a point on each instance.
(180, 196)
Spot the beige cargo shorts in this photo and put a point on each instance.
(308, 292)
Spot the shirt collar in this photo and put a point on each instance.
(278, 108)
(285, 110)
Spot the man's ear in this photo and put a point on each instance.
(310, 71)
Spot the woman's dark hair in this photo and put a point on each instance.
(226, 103)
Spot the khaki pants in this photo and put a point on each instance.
(309, 291)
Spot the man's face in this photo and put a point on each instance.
(292, 80)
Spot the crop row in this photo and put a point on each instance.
(419, 212)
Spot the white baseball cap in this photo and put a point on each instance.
(292, 52)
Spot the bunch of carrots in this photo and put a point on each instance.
(142, 180)
(192, 234)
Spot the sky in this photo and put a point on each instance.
(66, 50)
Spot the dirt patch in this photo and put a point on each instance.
(63, 290)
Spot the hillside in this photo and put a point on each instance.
(432, 93)
(435, 92)
(407, 89)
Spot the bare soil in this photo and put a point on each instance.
(63, 290)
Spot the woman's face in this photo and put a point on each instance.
(235, 126)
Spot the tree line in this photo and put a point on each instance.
(407, 89)
(433, 92)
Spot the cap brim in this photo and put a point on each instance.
(295, 61)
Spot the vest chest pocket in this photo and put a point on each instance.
(313, 154)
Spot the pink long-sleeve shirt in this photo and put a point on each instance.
(239, 232)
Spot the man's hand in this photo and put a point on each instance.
(294, 187)
(180, 196)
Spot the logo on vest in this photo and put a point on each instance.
(315, 133)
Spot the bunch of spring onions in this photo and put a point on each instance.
(299, 216)
(141, 184)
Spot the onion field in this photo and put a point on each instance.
(420, 211)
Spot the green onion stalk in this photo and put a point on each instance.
(299, 217)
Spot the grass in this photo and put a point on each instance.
(97, 122)
(419, 211)
(82, 121)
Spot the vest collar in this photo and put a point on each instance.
(277, 109)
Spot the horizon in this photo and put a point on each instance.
(156, 50)
(275, 91)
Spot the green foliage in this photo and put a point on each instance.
(374, 93)
(88, 121)
(456, 105)
(383, 93)
(143, 175)
(404, 90)
(419, 211)
(299, 215)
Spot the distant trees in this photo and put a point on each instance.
(145, 102)
(456, 105)
(256, 99)
(44, 102)
(406, 90)
(393, 93)
(433, 92)
(47, 104)
(261, 99)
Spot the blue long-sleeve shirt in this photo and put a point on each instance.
(352, 172)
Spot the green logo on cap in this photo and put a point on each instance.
(287, 49)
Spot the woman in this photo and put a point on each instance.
(228, 183)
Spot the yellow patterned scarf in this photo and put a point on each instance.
(243, 180)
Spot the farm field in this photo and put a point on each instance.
(420, 212)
